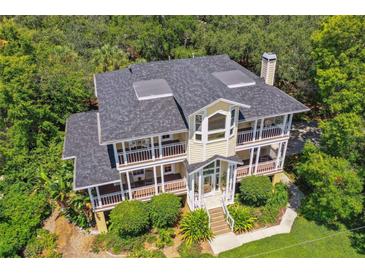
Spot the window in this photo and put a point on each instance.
(167, 169)
(198, 127)
(232, 122)
(216, 127)
(138, 172)
(166, 137)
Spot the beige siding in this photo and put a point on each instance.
(219, 148)
(218, 106)
(232, 145)
(195, 152)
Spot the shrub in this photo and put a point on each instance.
(243, 219)
(255, 190)
(129, 218)
(165, 237)
(192, 251)
(195, 227)
(280, 196)
(42, 245)
(144, 253)
(164, 210)
(113, 242)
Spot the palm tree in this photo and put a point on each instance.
(109, 58)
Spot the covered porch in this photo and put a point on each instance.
(264, 159)
(141, 185)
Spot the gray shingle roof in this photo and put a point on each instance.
(122, 116)
(94, 163)
(193, 167)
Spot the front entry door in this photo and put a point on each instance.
(208, 185)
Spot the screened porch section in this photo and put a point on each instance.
(141, 186)
(147, 149)
(263, 129)
(261, 160)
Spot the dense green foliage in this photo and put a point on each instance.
(42, 245)
(193, 250)
(336, 189)
(255, 190)
(243, 218)
(164, 210)
(195, 227)
(129, 218)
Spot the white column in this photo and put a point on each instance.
(162, 178)
(160, 145)
(122, 190)
(278, 156)
(283, 128)
(284, 154)
(129, 186)
(116, 154)
(155, 178)
(257, 159)
(251, 160)
(234, 181)
(289, 124)
(153, 148)
(193, 189)
(205, 129)
(98, 195)
(124, 154)
(261, 127)
(91, 197)
(228, 186)
(254, 131)
(200, 188)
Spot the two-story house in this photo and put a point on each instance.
(191, 127)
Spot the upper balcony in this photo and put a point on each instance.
(150, 149)
(263, 129)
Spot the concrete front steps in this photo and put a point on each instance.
(218, 222)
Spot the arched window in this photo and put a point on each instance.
(216, 127)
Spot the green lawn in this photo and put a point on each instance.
(303, 230)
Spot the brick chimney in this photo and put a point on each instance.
(268, 65)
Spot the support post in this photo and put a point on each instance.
(200, 188)
(261, 127)
(160, 146)
(129, 186)
(278, 156)
(121, 189)
(193, 189)
(228, 187)
(100, 222)
(91, 197)
(257, 159)
(115, 154)
(283, 127)
(234, 182)
(153, 149)
(162, 178)
(284, 154)
(254, 131)
(155, 179)
(251, 160)
(124, 154)
(289, 124)
(98, 195)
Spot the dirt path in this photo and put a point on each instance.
(72, 242)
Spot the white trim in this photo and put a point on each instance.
(129, 186)
(151, 164)
(284, 155)
(155, 180)
(262, 142)
(257, 159)
(241, 85)
(98, 195)
(278, 155)
(122, 190)
(154, 96)
(124, 153)
(153, 148)
(95, 90)
(252, 152)
(162, 177)
(283, 128)
(261, 128)
(116, 154)
(218, 158)
(223, 100)
(271, 116)
(200, 187)
(142, 137)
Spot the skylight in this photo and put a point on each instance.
(234, 78)
(152, 89)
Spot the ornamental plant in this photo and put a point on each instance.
(129, 218)
(195, 227)
(164, 210)
(255, 190)
(242, 216)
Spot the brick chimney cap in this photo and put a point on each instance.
(270, 56)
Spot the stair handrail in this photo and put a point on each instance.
(229, 218)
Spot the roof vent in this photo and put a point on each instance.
(234, 78)
(152, 89)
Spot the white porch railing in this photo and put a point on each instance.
(145, 154)
(140, 193)
(229, 218)
(267, 132)
(261, 168)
